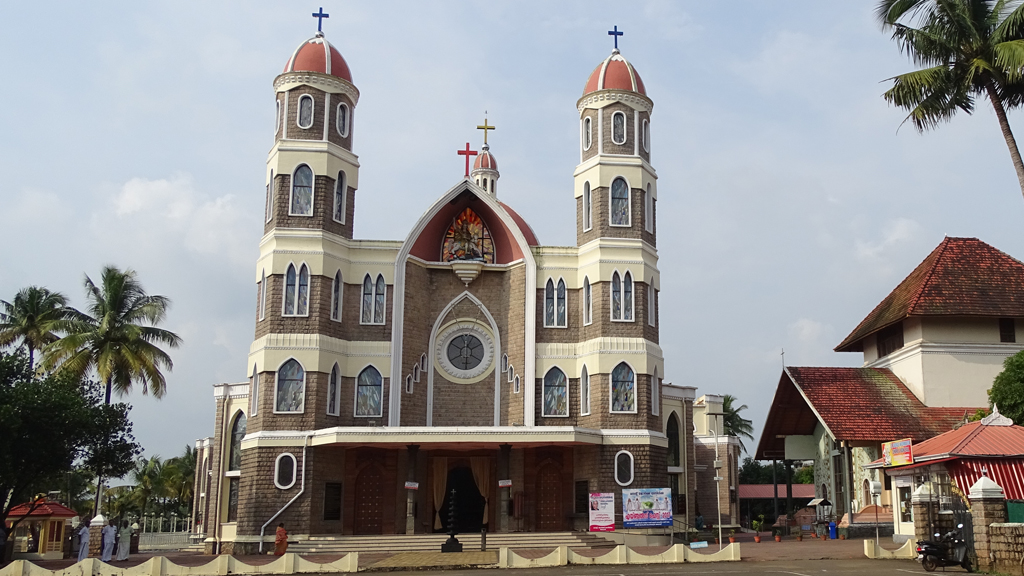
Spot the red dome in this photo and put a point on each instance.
(485, 160)
(317, 55)
(615, 73)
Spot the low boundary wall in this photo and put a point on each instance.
(908, 550)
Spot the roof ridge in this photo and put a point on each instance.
(931, 272)
(971, 435)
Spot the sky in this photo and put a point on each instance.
(790, 201)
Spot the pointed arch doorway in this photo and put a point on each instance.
(469, 502)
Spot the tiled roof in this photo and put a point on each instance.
(44, 508)
(870, 404)
(961, 277)
(768, 490)
(974, 440)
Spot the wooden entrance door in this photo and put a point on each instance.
(549, 499)
(369, 506)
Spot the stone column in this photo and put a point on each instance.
(410, 495)
(924, 504)
(988, 506)
(504, 473)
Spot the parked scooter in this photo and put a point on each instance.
(949, 550)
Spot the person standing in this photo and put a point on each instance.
(280, 540)
(83, 539)
(107, 536)
(124, 545)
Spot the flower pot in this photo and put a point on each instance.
(778, 538)
(824, 537)
(757, 539)
(842, 536)
(716, 540)
(732, 539)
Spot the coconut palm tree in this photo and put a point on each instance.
(117, 336)
(968, 48)
(732, 423)
(181, 478)
(33, 318)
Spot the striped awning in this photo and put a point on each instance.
(1007, 472)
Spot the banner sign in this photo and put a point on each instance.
(696, 545)
(412, 485)
(646, 507)
(897, 453)
(602, 512)
(504, 483)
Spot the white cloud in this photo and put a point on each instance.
(897, 231)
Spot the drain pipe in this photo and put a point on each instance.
(302, 488)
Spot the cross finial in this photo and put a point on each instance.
(485, 128)
(467, 153)
(320, 19)
(614, 33)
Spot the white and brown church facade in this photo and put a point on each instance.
(465, 355)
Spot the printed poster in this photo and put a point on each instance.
(646, 507)
(897, 453)
(602, 511)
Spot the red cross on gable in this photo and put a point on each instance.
(467, 153)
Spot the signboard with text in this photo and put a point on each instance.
(646, 507)
(602, 511)
(897, 453)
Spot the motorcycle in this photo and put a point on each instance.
(949, 550)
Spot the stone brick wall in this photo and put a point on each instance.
(602, 227)
(314, 415)
(600, 416)
(332, 119)
(316, 131)
(602, 324)
(594, 131)
(1006, 547)
(323, 206)
(606, 132)
(319, 319)
(644, 153)
(707, 495)
(259, 499)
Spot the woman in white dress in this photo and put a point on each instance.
(124, 543)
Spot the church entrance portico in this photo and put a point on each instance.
(469, 502)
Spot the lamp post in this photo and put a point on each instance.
(718, 478)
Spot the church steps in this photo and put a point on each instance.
(427, 542)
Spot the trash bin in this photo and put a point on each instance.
(832, 531)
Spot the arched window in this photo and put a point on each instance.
(616, 296)
(655, 393)
(254, 391)
(588, 133)
(549, 303)
(289, 291)
(263, 295)
(305, 117)
(619, 205)
(652, 304)
(423, 362)
(408, 384)
(341, 121)
(284, 471)
(378, 300)
(556, 393)
(649, 210)
(588, 302)
(560, 319)
(645, 136)
(584, 392)
(269, 212)
(333, 392)
(374, 297)
(235, 447)
(515, 386)
(468, 238)
(336, 288)
(302, 302)
(623, 389)
(627, 297)
(672, 431)
(588, 221)
(504, 363)
(624, 469)
(416, 372)
(277, 117)
(302, 192)
(369, 393)
(340, 195)
(290, 391)
(619, 128)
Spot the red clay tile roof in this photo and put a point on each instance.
(974, 440)
(768, 490)
(44, 508)
(961, 277)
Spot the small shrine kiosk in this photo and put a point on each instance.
(40, 532)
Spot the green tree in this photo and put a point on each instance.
(51, 423)
(804, 475)
(118, 336)
(32, 319)
(1007, 390)
(181, 480)
(967, 49)
(733, 424)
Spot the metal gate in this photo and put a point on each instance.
(962, 515)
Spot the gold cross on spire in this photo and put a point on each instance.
(485, 128)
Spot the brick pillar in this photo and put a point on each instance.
(925, 505)
(988, 506)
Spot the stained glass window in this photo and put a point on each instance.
(232, 499)
(336, 296)
(627, 296)
(560, 304)
(623, 389)
(616, 297)
(367, 313)
(468, 239)
(556, 393)
(587, 221)
(620, 202)
(584, 392)
(465, 352)
(302, 304)
(289, 290)
(340, 189)
(291, 387)
(587, 302)
(302, 192)
(549, 303)
(378, 300)
(235, 451)
(305, 111)
(332, 392)
(619, 128)
(369, 392)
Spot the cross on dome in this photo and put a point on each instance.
(320, 19)
(467, 153)
(485, 128)
(615, 33)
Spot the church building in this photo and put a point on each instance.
(464, 365)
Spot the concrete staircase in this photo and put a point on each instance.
(432, 542)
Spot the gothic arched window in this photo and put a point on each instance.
(560, 319)
(549, 303)
(254, 392)
(468, 239)
(336, 290)
(584, 392)
(340, 195)
(588, 302)
(305, 117)
(588, 133)
(289, 291)
(263, 295)
(378, 300)
(588, 221)
(627, 296)
(333, 387)
(374, 297)
(290, 390)
(618, 128)
(623, 389)
(302, 302)
(672, 431)
(341, 122)
(619, 204)
(556, 393)
(235, 446)
(270, 198)
(369, 393)
(655, 393)
(302, 192)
